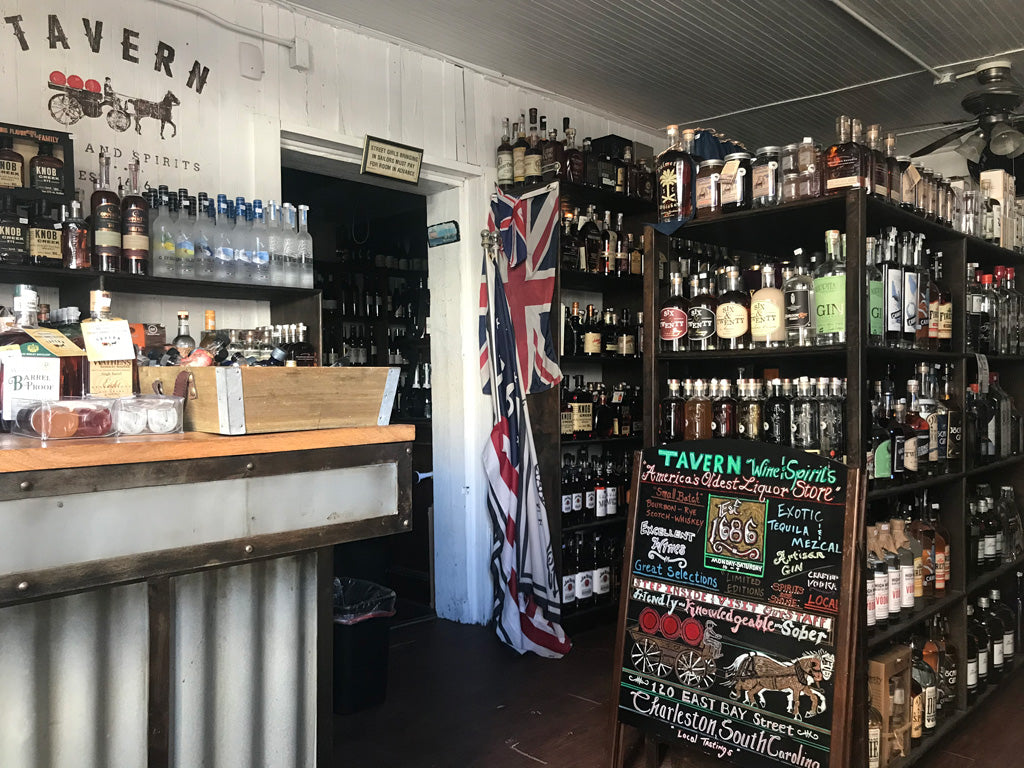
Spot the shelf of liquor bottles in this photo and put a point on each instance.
(994, 575)
(612, 521)
(904, 625)
(913, 486)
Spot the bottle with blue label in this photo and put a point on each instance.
(260, 245)
(223, 250)
(204, 239)
(184, 243)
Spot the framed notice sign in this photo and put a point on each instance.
(729, 631)
(391, 160)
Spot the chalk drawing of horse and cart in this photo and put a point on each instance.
(76, 99)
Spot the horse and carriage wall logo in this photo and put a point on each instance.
(76, 99)
(735, 534)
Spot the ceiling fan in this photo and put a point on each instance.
(993, 104)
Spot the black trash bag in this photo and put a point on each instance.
(356, 600)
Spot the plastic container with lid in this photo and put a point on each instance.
(709, 201)
(735, 182)
(766, 173)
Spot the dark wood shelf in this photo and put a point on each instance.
(918, 354)
(917, 485)
(604, 522)
(588, 281)
(56, 278)
(600, 440)
(207, 289)
(882, 214)
(982, 469)
(590, 617)
(599, 359)
(581, 195)
(832, 351)
(988, 577)
(897, 629)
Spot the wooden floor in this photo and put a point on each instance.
(457, 698)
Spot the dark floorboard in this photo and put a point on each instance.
(457, 698)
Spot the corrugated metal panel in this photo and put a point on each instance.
(73, 678)
(665, 61)
(244, 666)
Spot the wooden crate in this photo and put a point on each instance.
(249, 400)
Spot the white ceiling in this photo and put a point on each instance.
(761, 71)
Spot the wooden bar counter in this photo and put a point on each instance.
(166, 601)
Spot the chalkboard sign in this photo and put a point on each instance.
(732, 581)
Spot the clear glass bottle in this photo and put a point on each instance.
(204, 238)
(768, 313)
(289, 236)
(504, 159)
(184, 240)
(183, 342)
(830, 293)
(750, 410)
(260, 245)
(732, 315)
(777, 417)
(701, 327)
(74, 238)
(875, 292)
(673, 415)
(799, 310)
(223, 251)
(698, 416)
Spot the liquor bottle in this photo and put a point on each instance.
(932, 656)
(892, 162)
(876, 300)
(46, 172)
(74, 238)
(806, 418)
(578, 493)
(533, 158)
(43, 238)
(134, 226)
(592, 333)
(506, 178)
(991, 215)
(568, 574)
(909, 552)
(949, 669)
(1013, 535)
(732, 315)
(1016, 311)
(106, 221)
(260, 247)
(623, 247)
(972, 652)
(869, 595)
(832, 416)
(184, 243)
(916, 458)
(887, 550)
(1002, 612)
(941, 549)
(519, 152)
(874, 735)
(905, 444)
(777, 428)
(107, 377)
(625, 342)
(698, 414)
(843, 162)
(673, 317)
(864, 153)
(991, 531)
(911, 289)
(304, 250)
(591, 172)
(242, 241)
(30, 368)
(673, 415)
(589, 235)
(589, 488)
(1019, 610)
(583, 411)
(604, 417)
(676, 171)
(892, 287)
(183, 342)
(584, 574)
(925, 677)
(723, 409)
(552, 154)
(204, 239)
(750, 410)
(223, 251)
(12, 164)
(600, 492)
(602, 569)
(572, 164)
(878, 566)
(609, 244)
(13, 232)
(879, 168)
(799, 311)
(700, 322)
(768, 313)
(830, 293)
(995, 630)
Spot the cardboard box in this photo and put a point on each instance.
(892, 665)
(247, 400)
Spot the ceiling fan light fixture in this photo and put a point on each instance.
(972, 147)
(1005, 140)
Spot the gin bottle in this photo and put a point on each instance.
(830, 293)
(876, 294)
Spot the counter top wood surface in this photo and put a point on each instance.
(23, 454)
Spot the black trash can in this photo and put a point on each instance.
(362, 612)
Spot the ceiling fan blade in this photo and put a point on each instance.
(925, 127)
(940, 143)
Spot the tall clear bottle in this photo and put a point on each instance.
(164, 262)
(275, 243)
(260, 245)
(223, 250)
(184, 239)
(799, 309)
(830, 292)
(304, 249)
(768, 313)
(204, 238)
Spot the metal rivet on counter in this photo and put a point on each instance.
(250, 466)
(22, 586)
(248, 549)
(26, 485)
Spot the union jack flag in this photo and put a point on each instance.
(528, 226)
(527, 603)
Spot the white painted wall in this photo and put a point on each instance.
(357, 85)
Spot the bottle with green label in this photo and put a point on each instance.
(830, 292)
(873, 275)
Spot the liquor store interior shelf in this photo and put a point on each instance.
(588, 617)
(587, 281)
(595, 359)
(900, 355)
(604, 522)
(988, 577)
(893, 631)
(602, 440)
(833, 351)
(579, 195)
(983, 469)
(918, 485)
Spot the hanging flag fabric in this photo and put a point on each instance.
(527, 602)
(528, 226)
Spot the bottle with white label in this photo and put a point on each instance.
(874, 735)
(584, 574)
(568, 575)
(1009, 622)
(994, 627)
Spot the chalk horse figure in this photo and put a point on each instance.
(751, 674)
(158, 110)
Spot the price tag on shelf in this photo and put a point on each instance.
(108, 340)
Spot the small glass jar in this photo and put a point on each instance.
(806, 155)
(766, 187)
(709, 201)
(735, 183)
(941, 195)
(791, 187)
(790, 159)
(906, 195)
(970, 215)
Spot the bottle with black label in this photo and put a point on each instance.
(13, 232)
(12, 165)
(106, 222)
(43, 237)
(46, 172)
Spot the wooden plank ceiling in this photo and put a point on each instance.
(761, 72)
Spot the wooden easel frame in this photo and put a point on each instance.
(846, 718)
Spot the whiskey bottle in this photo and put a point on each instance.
(893, 168)
(700, 322)
(135, 226)
(916, 459)
(843, 162)
(583, 411)
(673, 415)
(591, 168)
(43, 238)
(552, 156)
(533, 158)
(673, 317)
(733, 313)
(106, 374)
(830, 293)
(750, 410)
(879, 167)
(723, 410)
(874, 735)
(572, 169)
(940, 310)
(676, 171)
(74, 238)
(995, 630)
(12, 165)
(519, 152)
(864, 152)
(591, 242)
(584, 574)
(925, 677)
(568, 575)
(13, 232)
(106, 221)
(697, 414)
(46, 172)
